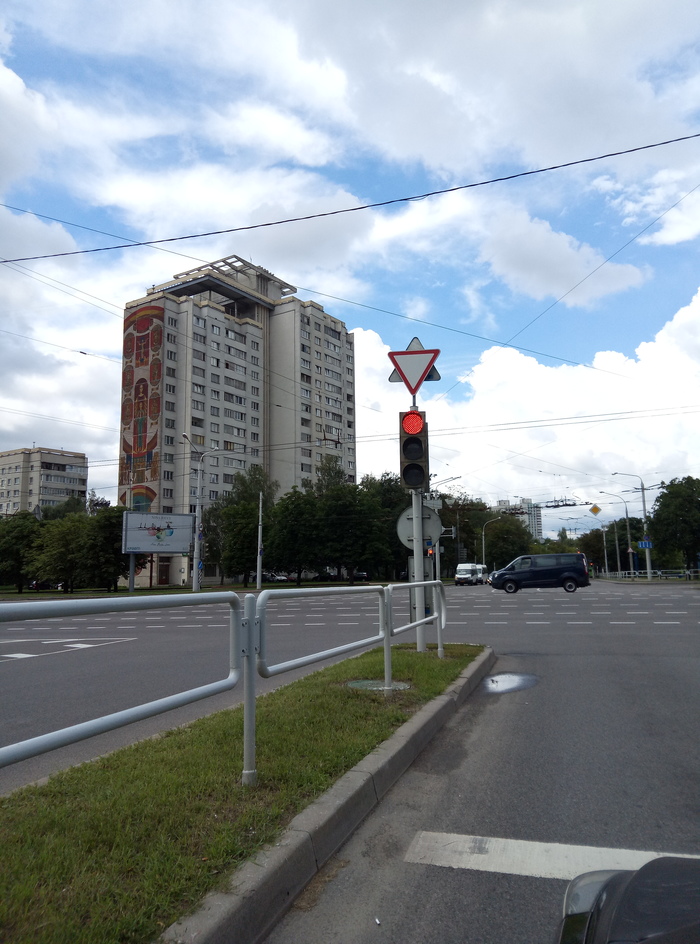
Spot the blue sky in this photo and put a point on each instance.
(164, 118)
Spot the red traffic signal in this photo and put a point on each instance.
(413, 436)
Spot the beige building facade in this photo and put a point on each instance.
(224, 367)
(40, 477)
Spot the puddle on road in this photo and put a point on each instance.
(507, 682)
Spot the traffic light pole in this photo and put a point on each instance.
(418, 592)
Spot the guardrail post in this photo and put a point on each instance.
(386, 622)
(248, 646)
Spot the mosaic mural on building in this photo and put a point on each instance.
(141, 407)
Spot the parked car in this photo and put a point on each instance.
(361, 575)
(569, 571)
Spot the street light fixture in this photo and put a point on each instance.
(483, 538)
(644, 518)
(627, 520)
(197, 557)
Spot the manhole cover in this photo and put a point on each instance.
(376, 685)
(508, 682)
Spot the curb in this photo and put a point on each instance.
(264, 888)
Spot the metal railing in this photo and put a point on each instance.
(247, 653)
(672, 574)
(13, 612)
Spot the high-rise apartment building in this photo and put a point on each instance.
(40, 476)
(527, 509)
(227, 358)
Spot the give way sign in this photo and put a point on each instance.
(413, 366)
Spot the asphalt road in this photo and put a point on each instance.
(59, 672)
(599, 752)
(598, 756)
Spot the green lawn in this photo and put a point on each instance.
(118, 849)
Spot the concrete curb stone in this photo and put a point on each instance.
(264, 888)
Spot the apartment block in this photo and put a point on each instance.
(40, 477)
(525, 508)
(224, 367)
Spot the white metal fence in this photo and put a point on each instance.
(247, 653)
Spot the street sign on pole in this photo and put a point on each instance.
(413, 366)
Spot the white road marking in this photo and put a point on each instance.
(519, 857)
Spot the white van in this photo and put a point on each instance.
(465, 575)
(481, 573)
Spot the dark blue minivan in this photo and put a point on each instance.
(569, 571)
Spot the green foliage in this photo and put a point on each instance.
(17, 536)
(506, 539)
(292, 545)
(71, 506)
(230, 525)
(59, 555)
(675, 524)
(104, 562)
(118, 849)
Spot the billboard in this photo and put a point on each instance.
(156, 534)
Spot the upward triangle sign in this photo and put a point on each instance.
(414, 365)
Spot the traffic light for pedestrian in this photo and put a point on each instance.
(413, 437)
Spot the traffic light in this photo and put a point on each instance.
(413, 436)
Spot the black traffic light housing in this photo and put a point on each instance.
(413, 438)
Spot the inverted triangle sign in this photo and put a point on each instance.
(413, 366)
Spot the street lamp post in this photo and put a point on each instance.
(483, 538)
(197, 556)
(627, 521)
(647, 552)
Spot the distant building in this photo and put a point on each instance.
(40, 477)
(528, 510)
(226, 363)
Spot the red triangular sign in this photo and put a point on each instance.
(413, 366)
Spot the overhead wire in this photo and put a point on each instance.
(365, 206)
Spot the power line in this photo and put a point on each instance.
(365, 206)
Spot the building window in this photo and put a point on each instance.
(215, 329)
(170, 338)
(197, 422)
(197, 388)
(170, 388)
(169, 371)
(168, 475)
(167, 493)
(170, 406)
(199, 322)
(214, 410)
(168, 457)
(169, 440)
(171, 355)
(172, 322)
(169, 423)
(214, 428)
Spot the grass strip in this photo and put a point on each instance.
(117, 849)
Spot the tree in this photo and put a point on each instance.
(96, 502)
(59, 554)
(71, 506)
(104, 562)
(292, 544)
(675, 522)
(506, 539)
(230, 525)
(393, 500)
(17, 536)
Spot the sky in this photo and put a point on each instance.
(565, 302)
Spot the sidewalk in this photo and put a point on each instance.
(263, 889)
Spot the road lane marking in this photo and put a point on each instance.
(519, 857)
